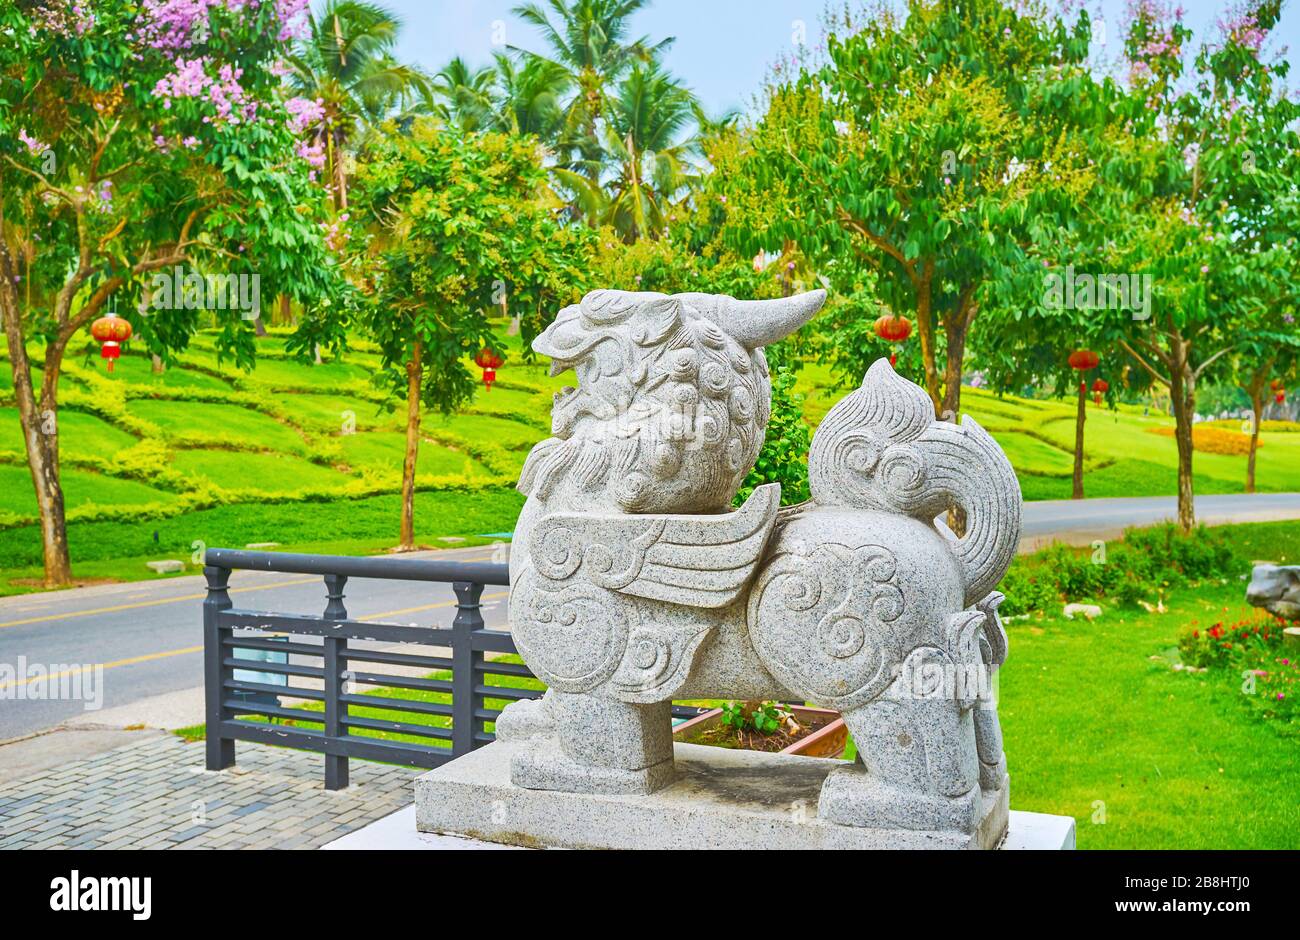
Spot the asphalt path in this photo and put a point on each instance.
(148, 635)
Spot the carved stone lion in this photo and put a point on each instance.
(634, 583)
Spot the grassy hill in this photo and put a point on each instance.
(159, 465)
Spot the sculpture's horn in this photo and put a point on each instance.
(757, 323)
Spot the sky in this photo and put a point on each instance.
(724, 48)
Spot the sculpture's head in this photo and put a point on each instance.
(672, 397)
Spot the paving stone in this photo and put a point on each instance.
(145, 795)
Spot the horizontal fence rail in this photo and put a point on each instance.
(269, 651)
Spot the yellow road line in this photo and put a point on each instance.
(139, 604)
(412, 610)
(148, 657)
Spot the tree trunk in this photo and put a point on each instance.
(286, 315)
(340, 173)
(156, 365)
(925, 327)
(414, 374)
(1255, 389)
(955, 334)
(1079, 420)
(1183, 395)
(1257, 409)
(41, 437)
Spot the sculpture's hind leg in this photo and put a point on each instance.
(917, 767)
(598, 745)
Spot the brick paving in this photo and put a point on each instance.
(155, 794)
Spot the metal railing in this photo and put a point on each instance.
(469, 687)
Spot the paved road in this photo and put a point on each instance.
(1079, 522)
(148, 634)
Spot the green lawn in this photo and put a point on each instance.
(80, 435)
(79, 488)
(264, 474)
(1174, 759)
(385, 450)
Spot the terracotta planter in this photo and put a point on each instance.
(827, 741)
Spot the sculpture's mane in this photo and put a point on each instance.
(669, 412)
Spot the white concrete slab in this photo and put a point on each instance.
(1025, 831)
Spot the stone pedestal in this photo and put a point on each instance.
(720, 799)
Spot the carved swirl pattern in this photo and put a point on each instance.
(821, 621)
(559, 552)
(572, 637)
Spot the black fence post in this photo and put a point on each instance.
(336, 765)
(467, 665)
(220, 750)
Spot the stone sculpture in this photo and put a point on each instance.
(634, 582)
(1276, 588)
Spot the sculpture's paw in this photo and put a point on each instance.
(527, 718)
(852, 797)
(993, 776)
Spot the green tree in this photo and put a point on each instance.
(134, 139)
(454, 224)
(937, 150)
(1199, 192)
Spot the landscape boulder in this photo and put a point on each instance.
(1276, 588)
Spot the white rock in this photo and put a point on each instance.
(261, 546)
(1090, 611)
(168, 566)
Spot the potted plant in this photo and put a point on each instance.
(776, 727)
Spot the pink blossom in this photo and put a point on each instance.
(34, 146)
(313, 153)
(303, 113)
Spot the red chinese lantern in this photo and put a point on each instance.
(1099, 388)
(893, 329)
(1083, 360)
(111, 331)
(489, 362)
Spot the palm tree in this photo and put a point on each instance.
(589, 44)
(466, 96)
(652, 160)
(346, 62)
(531, 98)
(505, 96)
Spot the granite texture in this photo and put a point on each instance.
(1276, 588)
(635, 582)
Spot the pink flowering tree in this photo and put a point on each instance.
(1198, 194)
(136, 138)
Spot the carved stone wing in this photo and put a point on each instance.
(696, 561)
